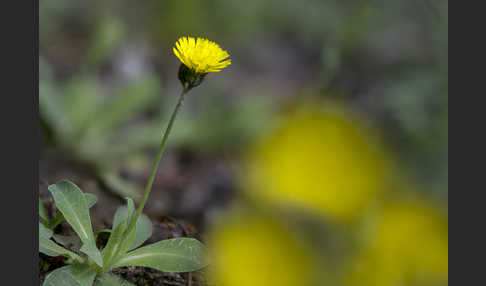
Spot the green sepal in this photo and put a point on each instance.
(189, 78)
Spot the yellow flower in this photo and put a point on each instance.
(249, 250)
(201, 55)
(408, 247)
(322, 160)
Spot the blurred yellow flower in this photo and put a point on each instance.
(255, 251)
(201, 55)
(409, 247)
(323, 160)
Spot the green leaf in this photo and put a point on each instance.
(91, 201)
(72, 203)
(110, 252)
(126, 102)
(143, 230)
(83, 274)
(43, 213)
(56, 220)
(137, 137)
(68, 241)
(131, 209)
(124, 212)
(117, 184)
(44, 232)
(120, 215)
(52, 111)
(172, 255)
(61, 276)
(108, 279)
(93, 252)
(50, 248)
(107, 38)
(81, 102)
(71, 275)
(119, 241)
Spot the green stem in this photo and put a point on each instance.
(155, 166)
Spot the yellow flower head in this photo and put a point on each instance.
(408, 247)
(201, 55)
(249, 250)
(322, 160)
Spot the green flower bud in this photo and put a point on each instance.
(189, 78)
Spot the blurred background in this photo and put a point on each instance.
(319, 157)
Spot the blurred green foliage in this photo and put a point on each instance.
(91, 128)
(108, 61)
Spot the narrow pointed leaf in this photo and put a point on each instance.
(172, 255)
(126, 242)
(56, 220)
(50, 248)
(120, 240)
(90, 199)
(131, 209)
(72, 203)
(143, 230)
(43, 213)
(46, 250)
(124, 212)
(112, 248)
(44, 232)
